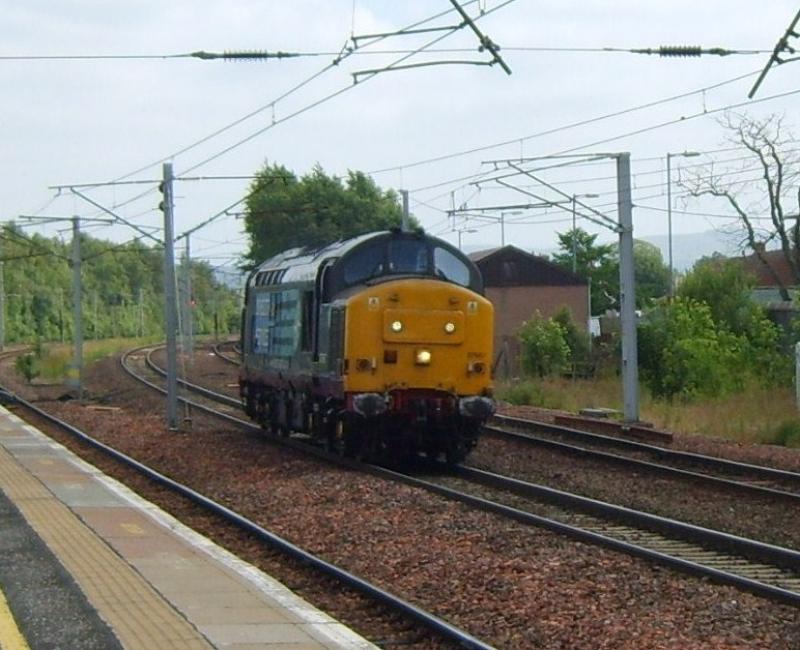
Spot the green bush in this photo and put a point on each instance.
(544, 349)
(577, 339)
(787, 434)
(682, 353)
(27, 365)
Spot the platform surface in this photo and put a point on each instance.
(85, 562)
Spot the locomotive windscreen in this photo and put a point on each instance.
(403, 255)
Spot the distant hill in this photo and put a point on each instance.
(687, 249)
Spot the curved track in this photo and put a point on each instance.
(763, 569)
(233, 356)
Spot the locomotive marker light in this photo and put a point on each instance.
(423, 358)
(449, 327)
(397, 326)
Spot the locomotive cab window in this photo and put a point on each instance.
(450, 267)
(364, 264)
(408, 256)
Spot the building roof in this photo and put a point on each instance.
(777, 261)
(509, 266)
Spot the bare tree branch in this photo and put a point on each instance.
(765, 140)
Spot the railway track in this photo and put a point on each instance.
(764, 569)
(771, 483)
(232, 357)
(767, 482)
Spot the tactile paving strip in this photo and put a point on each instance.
(140, 617)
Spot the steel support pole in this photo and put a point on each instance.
(574, 239)
(170, 305)
(797, 374)
(77, 308)
(630, 367)
(671, 289)
(2, 306)
(189, 319)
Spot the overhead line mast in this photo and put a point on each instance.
(781, 47)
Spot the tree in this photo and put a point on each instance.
(776, 193)
(544, 348)
(682, 353)
(122, 290)
(712, 339)
(599, 263)
(650, 272)
(595, 262)
(724, 286)
(283, 211)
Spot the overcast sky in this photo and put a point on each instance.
(79, 121)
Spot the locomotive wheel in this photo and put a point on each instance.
(456, 452)
(334, 440)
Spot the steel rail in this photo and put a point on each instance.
(423, 617)
(760, 472)
(745, 547)
(217, 348)
(659, 452)
(196, 388)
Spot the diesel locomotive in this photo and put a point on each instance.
(378, 346)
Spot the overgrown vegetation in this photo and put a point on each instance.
(544, 346)
(51, 363)
(122, 294)
(709, 360)
(712, 340)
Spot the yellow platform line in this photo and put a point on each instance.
(10, 636)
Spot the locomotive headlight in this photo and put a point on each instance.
(423, 358)
(396, 326)
(449, 327)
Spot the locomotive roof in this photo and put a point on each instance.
(301, 264)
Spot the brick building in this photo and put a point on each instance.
(768, 277)
(518, 284)
(776, 270)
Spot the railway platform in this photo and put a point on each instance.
(86, 563)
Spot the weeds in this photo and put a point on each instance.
(740, 417)
(786, 434)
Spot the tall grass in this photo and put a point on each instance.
(54, 361)
(755, 415)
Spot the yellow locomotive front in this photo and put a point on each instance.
(417, 361)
